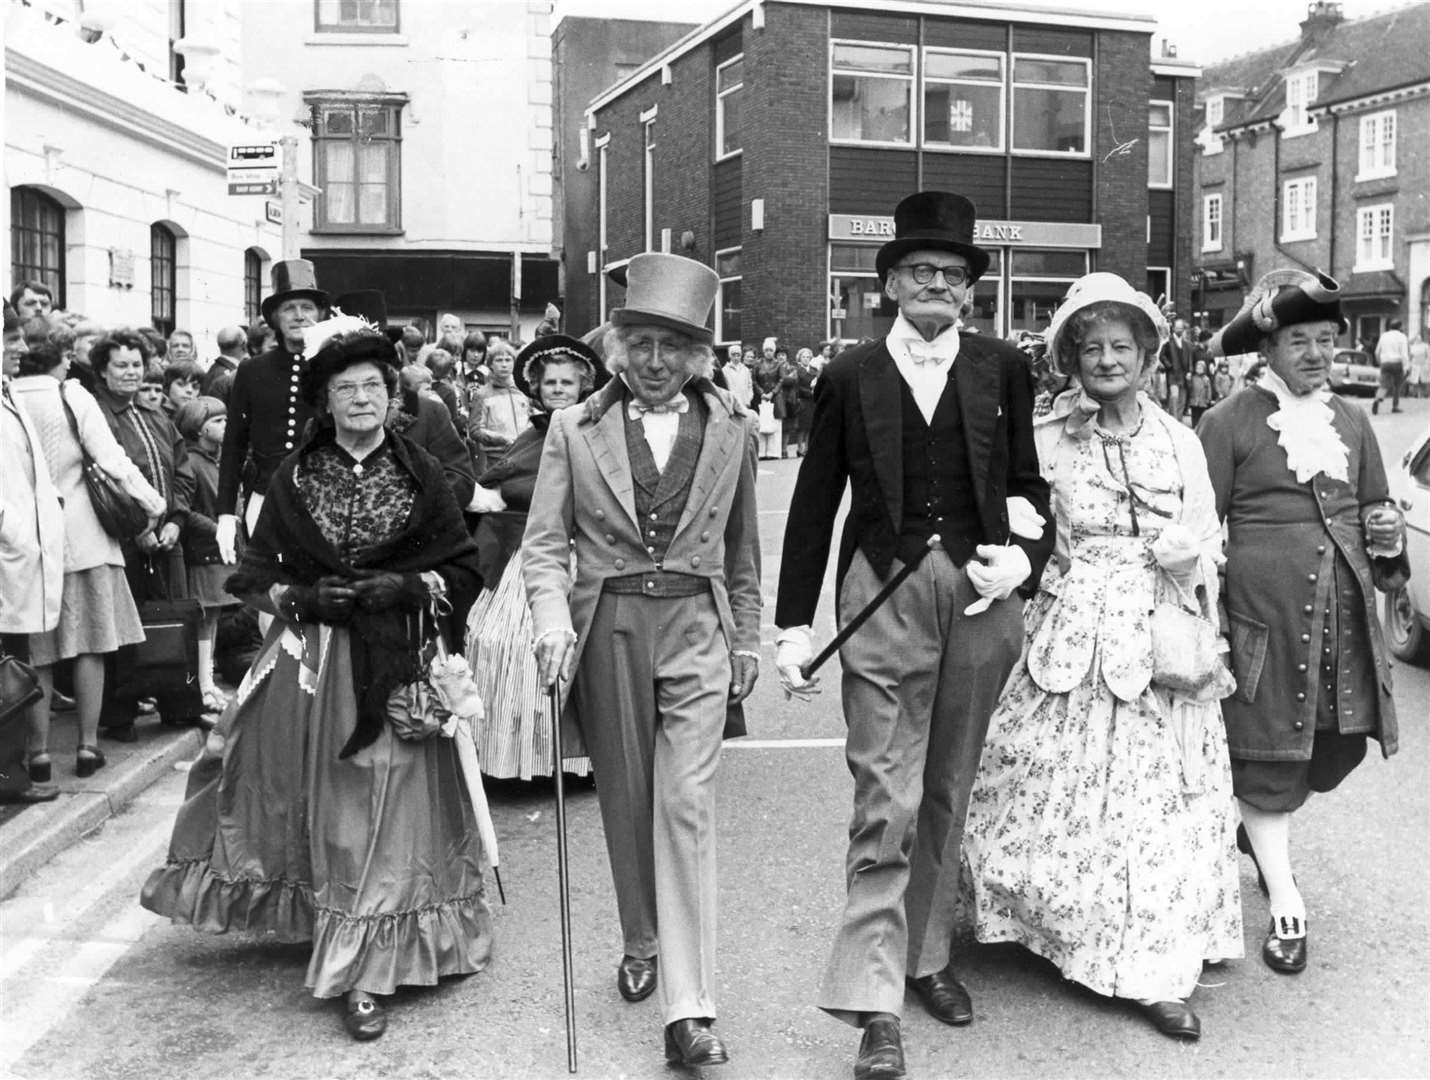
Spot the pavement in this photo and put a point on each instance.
(33, 834)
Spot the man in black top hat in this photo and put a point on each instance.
(266, 413)
(933, 432)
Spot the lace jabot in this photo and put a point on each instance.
(1304, 429)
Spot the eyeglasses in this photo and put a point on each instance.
(923, 273)
(347, 391)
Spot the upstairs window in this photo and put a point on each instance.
(963, 100)
(252, 285)
(1375, 234)
(1301, 88)
(1211, 222)
(355, 16)
(1159, 144)
(1377, 146)
(357, 164)
(727, 304)
(1050, 104)
(37, 240)
(1298, 209)
(872, 92)
(1216, 111)
(729, 95)
(163, 277)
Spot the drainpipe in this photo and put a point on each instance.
(1335, 176)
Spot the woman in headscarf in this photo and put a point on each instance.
(1100, 827)
(515, 738)
(1311, 534)
(324, 819)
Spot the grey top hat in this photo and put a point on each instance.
(293, 278)
(671, 291)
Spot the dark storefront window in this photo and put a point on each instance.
(37, 240)
(163, 277)
(1038, 281)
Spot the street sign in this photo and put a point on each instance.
(273, 212)
(253, 168)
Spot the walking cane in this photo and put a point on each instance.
(563, 877)
(851, 627)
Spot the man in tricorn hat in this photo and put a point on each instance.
(266, 412)
(933, 431)
(654, 477)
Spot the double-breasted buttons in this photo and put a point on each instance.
(1305, 637)
(620, 564)
(600, 515)
(1300, 667)
(1308, 609)
(610, 539)
(1297, 726)
(1311, 577)
(654, 516)
(695, 560)
(1300, 695)
(705, 536)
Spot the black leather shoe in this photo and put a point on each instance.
(365, 1019)
(1285, 948)
(635, 978)
(944, 997)
(1173, 1019)
(881, 1052)
(691, 1043)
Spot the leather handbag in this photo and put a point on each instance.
(444, 695)
(119, 513)
(19, 686)
(1184, 645)
(165, 665)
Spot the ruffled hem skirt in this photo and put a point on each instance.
(375, 859)
(514, 740)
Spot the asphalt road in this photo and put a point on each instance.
(93, 986)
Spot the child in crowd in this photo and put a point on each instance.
(182, 380)
(1199, 391)
(201, 421)
(1221, 381)
(151, 390)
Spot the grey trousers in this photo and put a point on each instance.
(920, 683)
(653, 682)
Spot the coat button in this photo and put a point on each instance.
(654, 517)
(695, 560)
(1305, 637)
(705, 536)
(1321, 550)
(610, 539)
(1300, 695)
(1300, 667)
(1298, 725)
(1310, 577)
(1308, 609)
(620, 564)
(714, 510)
(600, 515)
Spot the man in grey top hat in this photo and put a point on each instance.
(653, 478)
(932, 430)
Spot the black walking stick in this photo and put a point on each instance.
(848, 629)
(563, 877)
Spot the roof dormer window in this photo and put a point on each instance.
(1301, 89)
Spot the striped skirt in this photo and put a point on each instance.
(515, 738)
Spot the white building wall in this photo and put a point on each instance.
(121, 149)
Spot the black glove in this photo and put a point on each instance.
(328, 600)
(378, 590)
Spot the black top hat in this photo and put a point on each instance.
(556, 348)
(1280, 298)
(936, 221)
(292, 278)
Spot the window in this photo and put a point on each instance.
(963, 100)
(1038, 282)
(648, 170)
(860, 308)
(1208, 139)
(1159, 282)
(1050, 112)
(1375, 230)
(1300, 95)
(1377, 146)
(727, 304)
(729, 87)
(1211, 222)
(1216, 111)
(252, 285)
(602, 191)
(357, 163)
(1159, 144)
(177, 20)
(1298, 209)
(872, 89)
(356, 16)
(37, 240)
(162, 277)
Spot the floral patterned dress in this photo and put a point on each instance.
(1101, 830)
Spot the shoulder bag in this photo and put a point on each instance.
(119, 513)
(19, 686)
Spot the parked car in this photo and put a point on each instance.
(1354, 371)
(1407, 609)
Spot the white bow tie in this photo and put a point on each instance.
(922, 354)
(678, 404)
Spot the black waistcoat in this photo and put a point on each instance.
(938, 484)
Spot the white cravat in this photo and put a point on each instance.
(660, 424)
(924, 365)
(1304, 428)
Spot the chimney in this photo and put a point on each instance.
(1322, 17)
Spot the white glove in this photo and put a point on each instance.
(1006, 567)
(793, 649)
(486, 501)
(1176, 549)
(1023, 520)
(227, 537)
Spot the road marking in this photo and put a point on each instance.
(783, 744)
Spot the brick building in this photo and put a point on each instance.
(1316, 154)
(773, 143)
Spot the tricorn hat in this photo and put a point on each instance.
(559, 349)
(1280, 298)
(369, 304)
(671, 291)
(937, 221)
(292, 278)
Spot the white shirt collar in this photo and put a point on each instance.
(903, 334)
